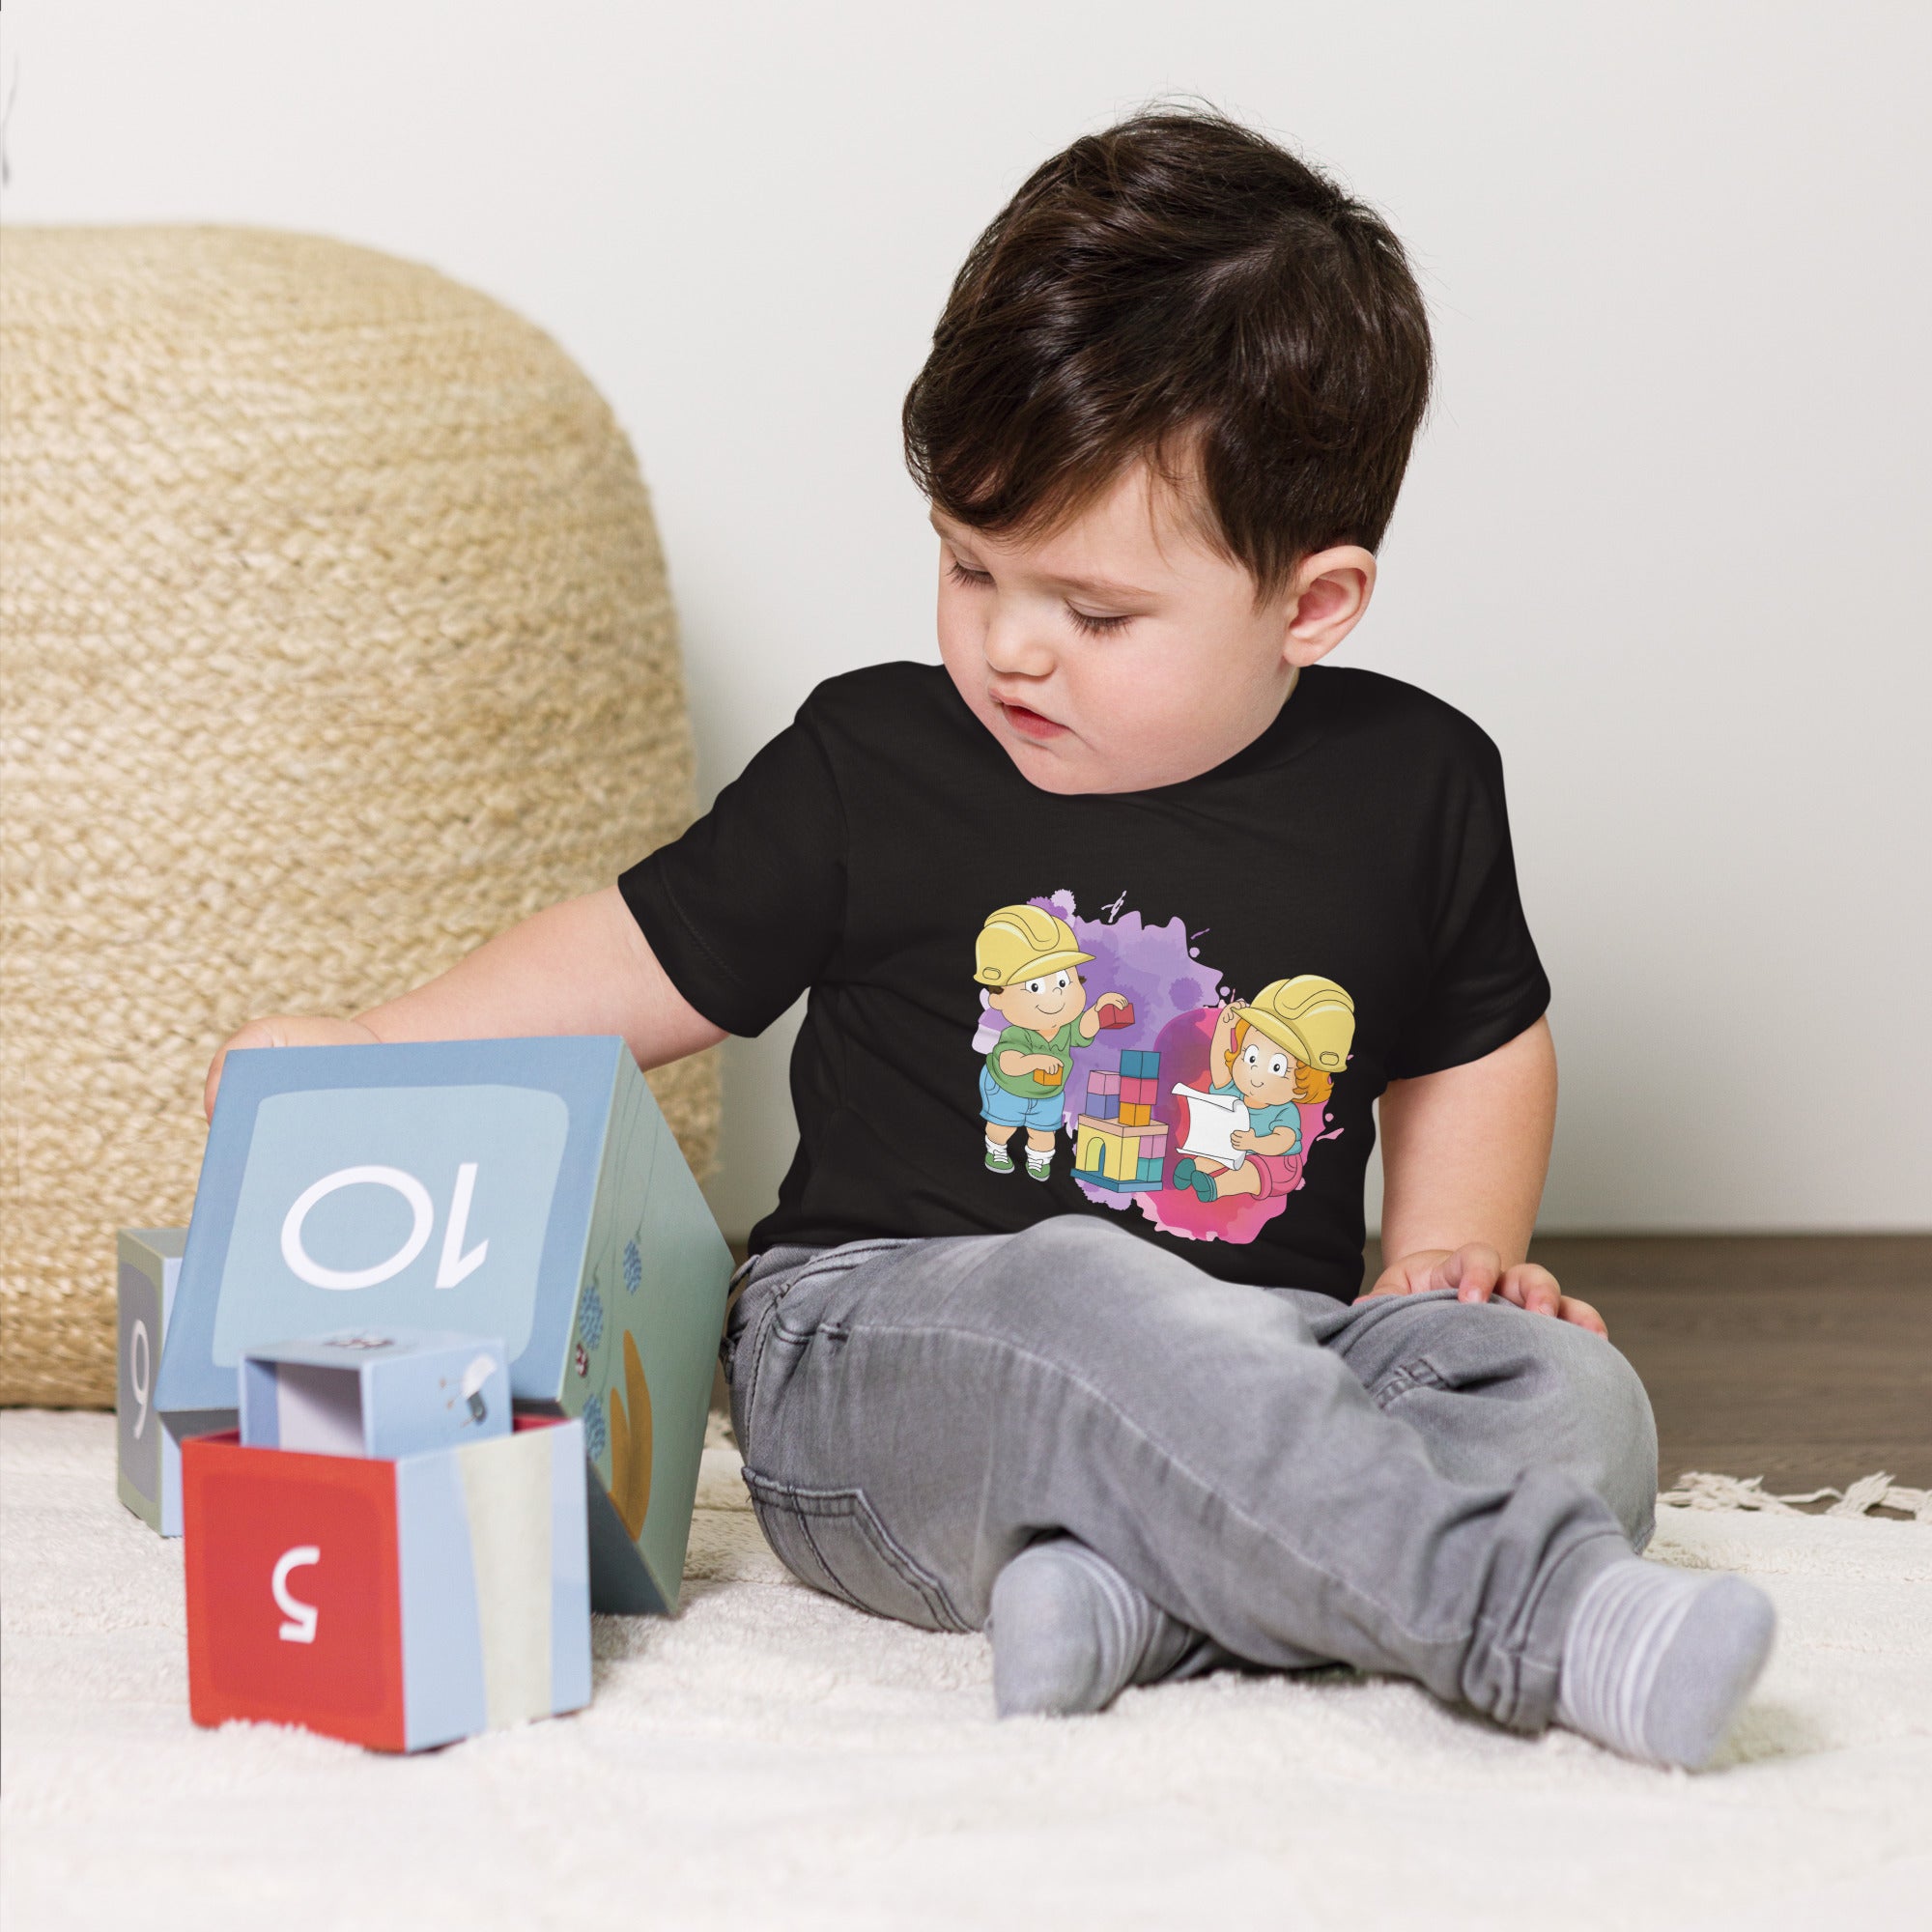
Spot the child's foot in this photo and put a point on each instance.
(1205, 1188)
(1183, 1172)
(998, 1158)
(1658, 1662)
(1070, 1633)
(1040, 1165)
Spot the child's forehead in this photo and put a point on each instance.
(1141, 535)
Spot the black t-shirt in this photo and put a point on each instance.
(1349, 873)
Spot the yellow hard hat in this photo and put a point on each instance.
(1020, 942)
(1311, 1017)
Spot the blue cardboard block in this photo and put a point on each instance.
(384, 1395)
(521, 1189)
(149, 1476)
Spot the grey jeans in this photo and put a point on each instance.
(1409, 1484)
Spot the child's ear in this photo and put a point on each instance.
(1324, 600)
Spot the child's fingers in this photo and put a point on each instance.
(1583, 1316)
(1472, 1272)
(1532, 1288)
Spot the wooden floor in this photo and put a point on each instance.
(1804, 1359)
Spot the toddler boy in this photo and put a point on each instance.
(1028, 966)
(1162, 428)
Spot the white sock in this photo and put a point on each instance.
(1657, 1662)
(1070, 1633)
(1040, 1157)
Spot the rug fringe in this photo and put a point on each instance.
(1699, 1488)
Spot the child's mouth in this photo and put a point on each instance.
(1030, 723)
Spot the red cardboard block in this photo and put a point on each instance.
(274, 1633)
(398, 1604)
(1118, 1016)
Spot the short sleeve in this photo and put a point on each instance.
(744, 910)
(1485, 983)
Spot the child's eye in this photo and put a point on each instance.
(1252, 1057)
(1085, 620)
(973, 580)
(1277, 1065)
(1035, 987)
(1061, 983)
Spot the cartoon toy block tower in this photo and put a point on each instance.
(398, 1602)
(149, 1479)
(526, 1188)
(1118, 1143)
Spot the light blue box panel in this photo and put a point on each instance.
(523, 1188)
(379, 1393)
(495, 1583)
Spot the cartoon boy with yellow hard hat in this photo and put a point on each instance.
(1027, 963)
(1281, 1048)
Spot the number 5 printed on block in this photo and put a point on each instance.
(301, 1616)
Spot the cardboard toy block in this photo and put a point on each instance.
(1133, 1184)
(1138, 1062)
(1107, 1108)
(523, 1188)
(379, 1395)
(1136, 1114)
(1117, 1016)
(148, 1267)
(395, 1604)
(1111, 1084)
(1113, 1150)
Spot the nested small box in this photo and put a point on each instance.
(374, 1393)
(396, 1603)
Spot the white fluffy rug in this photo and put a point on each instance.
(772, 1759)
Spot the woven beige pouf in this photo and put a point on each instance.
(336, 638)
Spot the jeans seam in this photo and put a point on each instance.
(1414, 1374)
(803, 1502)
(769, 1324)
(1178, 1463)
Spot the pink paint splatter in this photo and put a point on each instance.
(1175, 997)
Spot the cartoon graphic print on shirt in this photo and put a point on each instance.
(1208, 1119)
(1026, 962)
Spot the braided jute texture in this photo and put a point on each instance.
(336, 638)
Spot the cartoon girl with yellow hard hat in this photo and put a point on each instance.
(1278, 1050)
(1027, 963)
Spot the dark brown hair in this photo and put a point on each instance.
(1181, 291)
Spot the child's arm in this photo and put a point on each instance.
(1224, 1032)
(581, 967)
(1465, 1152)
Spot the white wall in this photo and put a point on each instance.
(1664, 537)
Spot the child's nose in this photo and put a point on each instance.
(1015, 648)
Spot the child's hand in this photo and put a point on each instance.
(1043, 1062)
(285, 1030)
(1241, 1137)
(1475, 1271)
